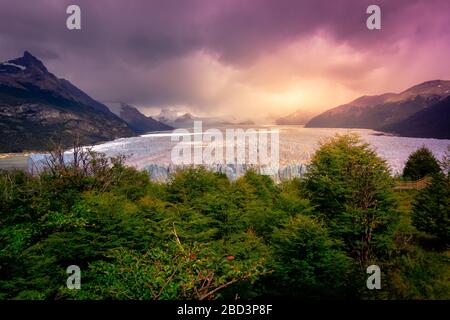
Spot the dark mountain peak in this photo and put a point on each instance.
(30, 62)
(29, 73)
(138, 121)
(38, 107)
(127, 112)
(125, 108)
(28, 55)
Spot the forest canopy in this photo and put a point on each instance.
(201, 236)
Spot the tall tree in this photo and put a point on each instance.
(431, 210)
(351, 188)
(420, 164)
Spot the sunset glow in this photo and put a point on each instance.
(231, 58)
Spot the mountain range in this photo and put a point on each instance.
(38, 109)
(174, 119)
(296, 118)
(139, 122)
(432, 122)
(420, 111)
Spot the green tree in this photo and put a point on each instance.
(351, 188)
(307, 262)
(420, 164)
(431, 208)
(201, 236)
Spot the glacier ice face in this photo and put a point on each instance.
(152, 152)
(162, 173)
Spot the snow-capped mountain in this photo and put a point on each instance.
(37, 108)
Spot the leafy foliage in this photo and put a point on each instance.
(169, 272)
(307, 261)
(420, 164)
(431, 211)
(200, 236)
(352, 190)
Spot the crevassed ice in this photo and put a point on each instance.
(152, 151)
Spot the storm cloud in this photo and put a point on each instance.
(229, 57)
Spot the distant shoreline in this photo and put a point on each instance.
(385, 134)
(9, 161)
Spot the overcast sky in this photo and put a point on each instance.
(247, 59)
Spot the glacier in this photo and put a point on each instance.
(152, 152)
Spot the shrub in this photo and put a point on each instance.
(172, 271)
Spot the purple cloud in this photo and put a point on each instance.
(151, 53)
